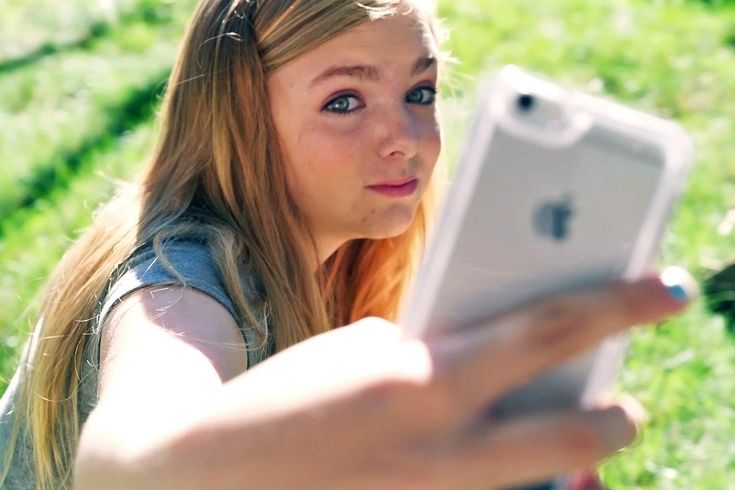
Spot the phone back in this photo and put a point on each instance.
(556, 190)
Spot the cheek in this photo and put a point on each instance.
(320, 162)
(329, 150)
(435, 143)
(431, 143)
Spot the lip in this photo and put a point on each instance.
(397, 188)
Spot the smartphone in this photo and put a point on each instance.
(555, 190)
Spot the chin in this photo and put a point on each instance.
(392, 224)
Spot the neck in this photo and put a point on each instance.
(321, 249)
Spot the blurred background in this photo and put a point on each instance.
(80, 84)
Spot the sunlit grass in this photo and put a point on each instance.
(62, 105)
(42, 234)
(33, 29)
(70, 125)
(674, 58)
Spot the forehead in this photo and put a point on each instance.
(396, 40)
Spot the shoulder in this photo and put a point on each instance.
(186, 263)
(165, 317)
(174, 290)
(172, 326)
(174, 276)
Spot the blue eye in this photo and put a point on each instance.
(344, 104)
(422, 95)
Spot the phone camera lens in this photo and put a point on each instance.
(525, 102)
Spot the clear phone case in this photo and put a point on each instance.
(556, 190)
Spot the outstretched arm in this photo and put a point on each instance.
(362, 407)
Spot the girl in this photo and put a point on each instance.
(187, 340)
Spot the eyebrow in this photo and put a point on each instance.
(423, 64)
(369, 72)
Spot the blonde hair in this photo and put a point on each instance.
(216, 174)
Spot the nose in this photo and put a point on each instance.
(399, 134)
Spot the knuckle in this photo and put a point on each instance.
(438, 405)
(556, 322)
(569, 321)
(630, 304)
(421, 408)
(600, 434)
(435, 402)
(584, 442)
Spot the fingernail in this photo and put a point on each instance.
(620, 422)
(636, 413)
(680, 285)
(618, 428)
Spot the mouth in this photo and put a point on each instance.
(395, 188)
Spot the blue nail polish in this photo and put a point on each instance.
(679, 284)
(678, 292)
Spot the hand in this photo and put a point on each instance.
(363, 407)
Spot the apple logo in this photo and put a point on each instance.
(552, 219)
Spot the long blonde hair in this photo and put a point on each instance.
(216, 173)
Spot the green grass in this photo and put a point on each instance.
(72, 101)
(41, 234)
(30, 30)
(675, 59)
(64, 110)
(71, 123)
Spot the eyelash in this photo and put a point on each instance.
(328, 107)
(431, 94)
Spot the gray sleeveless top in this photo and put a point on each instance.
(193, 263)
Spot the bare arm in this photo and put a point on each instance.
(165, 354)
(360, 407)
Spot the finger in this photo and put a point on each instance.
(540, 448)
(531, 340)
